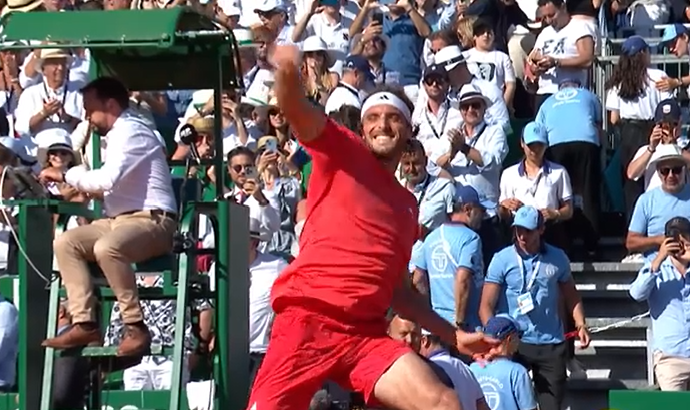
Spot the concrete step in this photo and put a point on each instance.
(618, 322)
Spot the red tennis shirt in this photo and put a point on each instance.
(360, 227)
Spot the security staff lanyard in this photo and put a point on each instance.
(438, 134)
(425, 185)
(523, 274)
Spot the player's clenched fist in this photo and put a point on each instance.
(284, 56)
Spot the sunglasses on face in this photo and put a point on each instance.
(474, 105)
(435, 81)
(677, 170)
(239, 167)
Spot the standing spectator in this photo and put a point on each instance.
(406, 30)
(435, 119)
(572, 118)
(506, 384)
(372, 45)
(501, 14)
(356, 77)
(633, 99)
(564, 49)
(55, 102)
(663, 284)
(474, 156)
(274, 15)
(656, 206)
(451, 261)
(10, 89)
(677, 38)
(490, 64)
(538, 183)
(435, 42)
(325, 21)
(9, 344)
(527, 280)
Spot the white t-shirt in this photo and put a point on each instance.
(493, 66)
(562, 44)
(643, 107)
(262, 273)
(545, 191)
(336, 36)
(343, 94)
(433, 128)
(466, 386)
(651, 177)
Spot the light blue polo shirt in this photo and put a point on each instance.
(654, 208)
(506, 385)
(445, 250)
(571, 115)
(543, 323)
(404, 52)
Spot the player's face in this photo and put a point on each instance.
(386, 131)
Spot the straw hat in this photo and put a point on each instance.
(52, 54)
(202, 125)
(20, 6)
(264, 140)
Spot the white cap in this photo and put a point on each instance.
(665, 152)
(449, 57)
(54, 137)
(268, 5)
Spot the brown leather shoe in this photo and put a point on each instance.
(136, 342)
(77, 336)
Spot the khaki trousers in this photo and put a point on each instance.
(113, 243)
(672, 373)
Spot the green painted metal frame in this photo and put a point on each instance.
(38, 303)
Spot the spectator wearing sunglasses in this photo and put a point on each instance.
(506, 384)
(658, 205)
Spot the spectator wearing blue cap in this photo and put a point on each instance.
(451, 260)
(632, 98)
(573, 122)
(506, 384)
(676, 38)
(531, 279)
(539, 183)
(356, 77)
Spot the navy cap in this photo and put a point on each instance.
(501, 326)
(436, 70)
(465, 194)
(569, 80)
(667, 111)
(359, 63)
(633, 45)
(671, 33)
(528, 217)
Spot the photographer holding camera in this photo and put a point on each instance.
(664, 284)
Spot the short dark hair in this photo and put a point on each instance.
(480, 27)
(348, 116)
(678, 226)
(90, 5)
(241, 150)
(448, 37)
(108, 88)
(557, 3)
(414, 146)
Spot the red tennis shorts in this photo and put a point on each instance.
(306, 349)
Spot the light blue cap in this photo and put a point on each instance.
(535, 132)
(671, 32)
(528, 217)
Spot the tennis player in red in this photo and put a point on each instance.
(331, 302)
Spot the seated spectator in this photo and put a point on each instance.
(489, 64)
(666, 131)
(633, 99)
(474, 157)
(530, 280)
(348, 116)
(319, 82)
(463, 30)
(500, 14)
(435, 119)
(435, 42)
(538, 183)
(272, 122)
(274, 15)
(564, 49)
(663, 284)
(656, 206)
(356, 78)
(466, 386)
(506, 384)
(10, 90)
(572, 118)
(55, 102)
(449, 263)
(9, 344)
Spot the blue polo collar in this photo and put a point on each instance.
(546, 167)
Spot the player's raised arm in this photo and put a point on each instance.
(306, 119)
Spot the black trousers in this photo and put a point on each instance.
(255, 360)
(633, 135)
(547, 363)
(70, 380)
(583, 163)
(492, 237)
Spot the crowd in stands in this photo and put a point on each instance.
(495, 241)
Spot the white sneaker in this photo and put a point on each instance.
(576, 370)
(634, 258)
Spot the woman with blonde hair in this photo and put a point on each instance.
(464, 30)
(318, 80)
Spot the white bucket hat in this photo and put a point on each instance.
(52, 53)
(315, 44)
(666, 152)
(21, 6)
